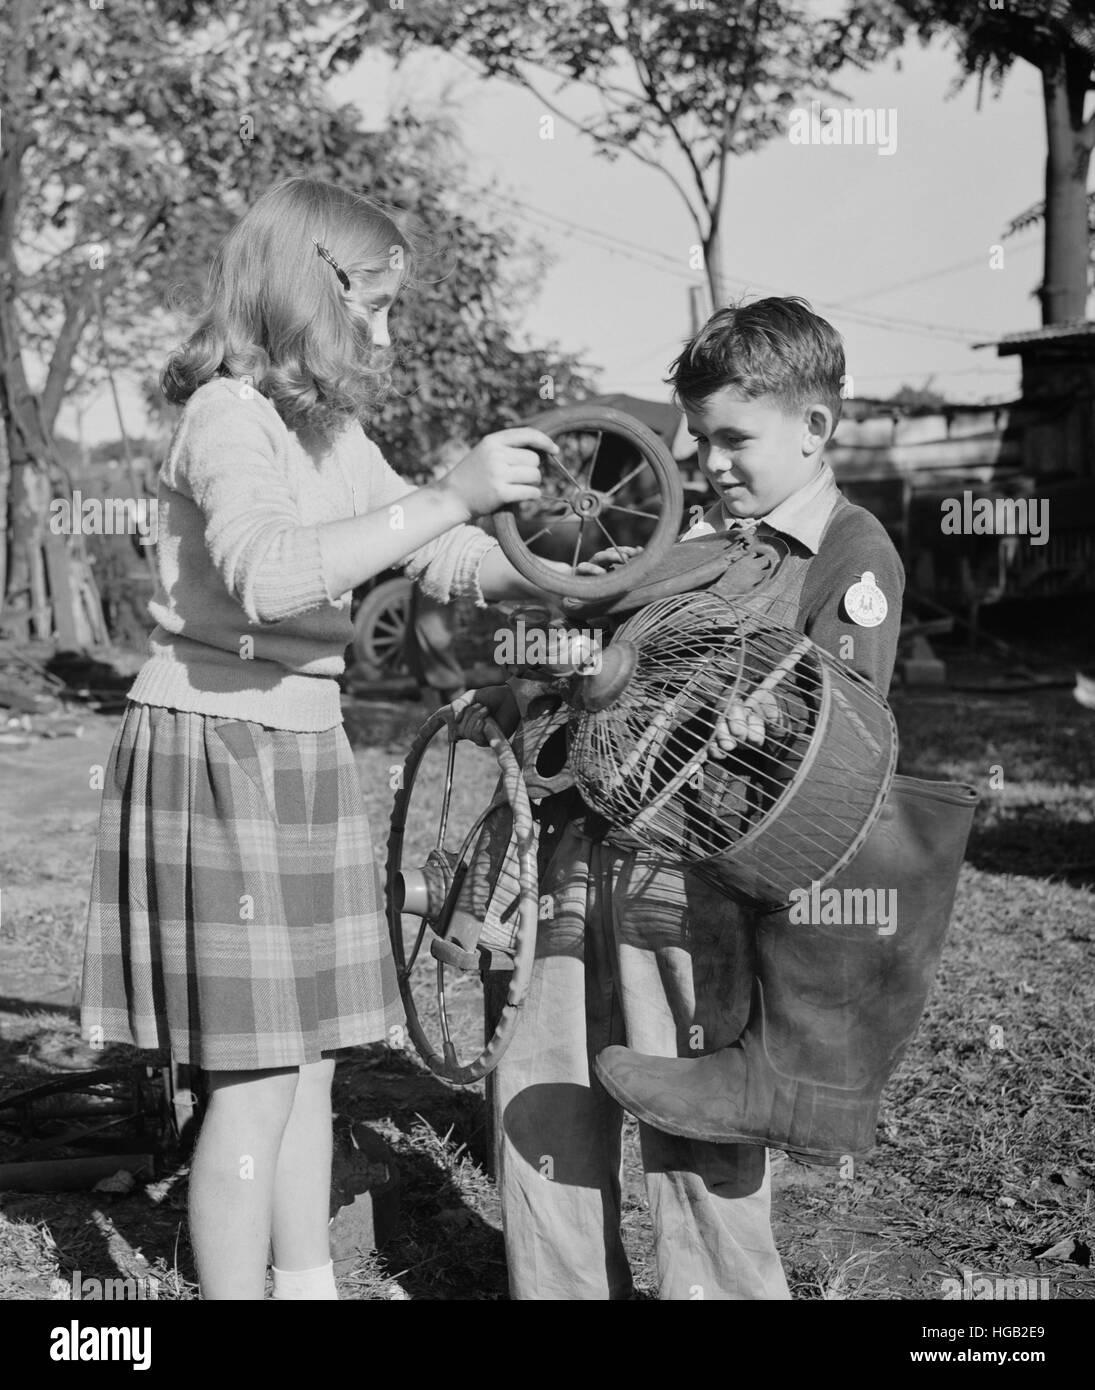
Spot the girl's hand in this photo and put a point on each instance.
(604, 559)
(502, 468)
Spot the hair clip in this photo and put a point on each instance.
(343, 278)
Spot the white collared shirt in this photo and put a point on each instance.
(802, 515)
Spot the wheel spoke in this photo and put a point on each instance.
(443, 1015)
(631, 511)
(546, 530)
(561, 466)
(455, 886)
(418, 940)
(448, 789)
(625, 479)
(594, 456)
(578, 543)
(608, 536)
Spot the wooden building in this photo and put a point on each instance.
(1058, 366)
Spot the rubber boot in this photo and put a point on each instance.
(835, 1003)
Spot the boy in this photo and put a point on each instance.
(640, 951)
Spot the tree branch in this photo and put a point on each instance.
(732, 124)
(614, 144)
(77, 311)
(651, 93)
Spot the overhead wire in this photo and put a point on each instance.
(654, 258)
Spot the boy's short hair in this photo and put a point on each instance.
(772, 347)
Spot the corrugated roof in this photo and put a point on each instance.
(1075, 328)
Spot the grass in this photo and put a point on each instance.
(985, 1141)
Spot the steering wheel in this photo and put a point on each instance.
(613, 483)
(447, 890)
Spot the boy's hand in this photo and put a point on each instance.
(605, 559)
(502, 468)
(474, 706)
(746, 721)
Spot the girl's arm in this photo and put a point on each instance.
(498, 579)
(502, 468)
(227, 458)
(366, 545)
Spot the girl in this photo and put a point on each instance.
(236, 912)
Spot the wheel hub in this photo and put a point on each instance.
(586, 502)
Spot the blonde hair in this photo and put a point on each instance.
(274, 309)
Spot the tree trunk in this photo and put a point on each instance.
(28, 494)
(1068, 157)
(27, 449)
(26, 610)
(712, 259)
(5, 484)
(64, 350)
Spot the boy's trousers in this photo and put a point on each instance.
(630, 950)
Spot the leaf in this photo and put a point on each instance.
(120, 1183)
(1070, 1249)
(1084, 692)
(1071, 1177)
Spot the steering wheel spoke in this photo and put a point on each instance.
(482, 864)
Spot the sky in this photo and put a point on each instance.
(896, 249)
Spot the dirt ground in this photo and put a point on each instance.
(985, 1157)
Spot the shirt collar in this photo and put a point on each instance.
(802, 515)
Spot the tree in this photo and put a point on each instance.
(919, 398)
(133, 135)
(459, 372)
(1058, 38)
(707, 80)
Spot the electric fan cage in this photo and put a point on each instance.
(825, 810)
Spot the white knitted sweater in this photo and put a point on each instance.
(247, 627)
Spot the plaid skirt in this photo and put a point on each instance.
(237, 910)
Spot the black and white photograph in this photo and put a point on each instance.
(547, 663)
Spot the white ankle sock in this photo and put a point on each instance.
(305, 1283)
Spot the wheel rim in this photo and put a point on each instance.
(380, 628)
(444, 1061)
(592, 499)
(385, 641)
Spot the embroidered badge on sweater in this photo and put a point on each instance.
(865, 603)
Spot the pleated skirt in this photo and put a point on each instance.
(237, 908)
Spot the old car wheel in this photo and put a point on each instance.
(380, 629)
